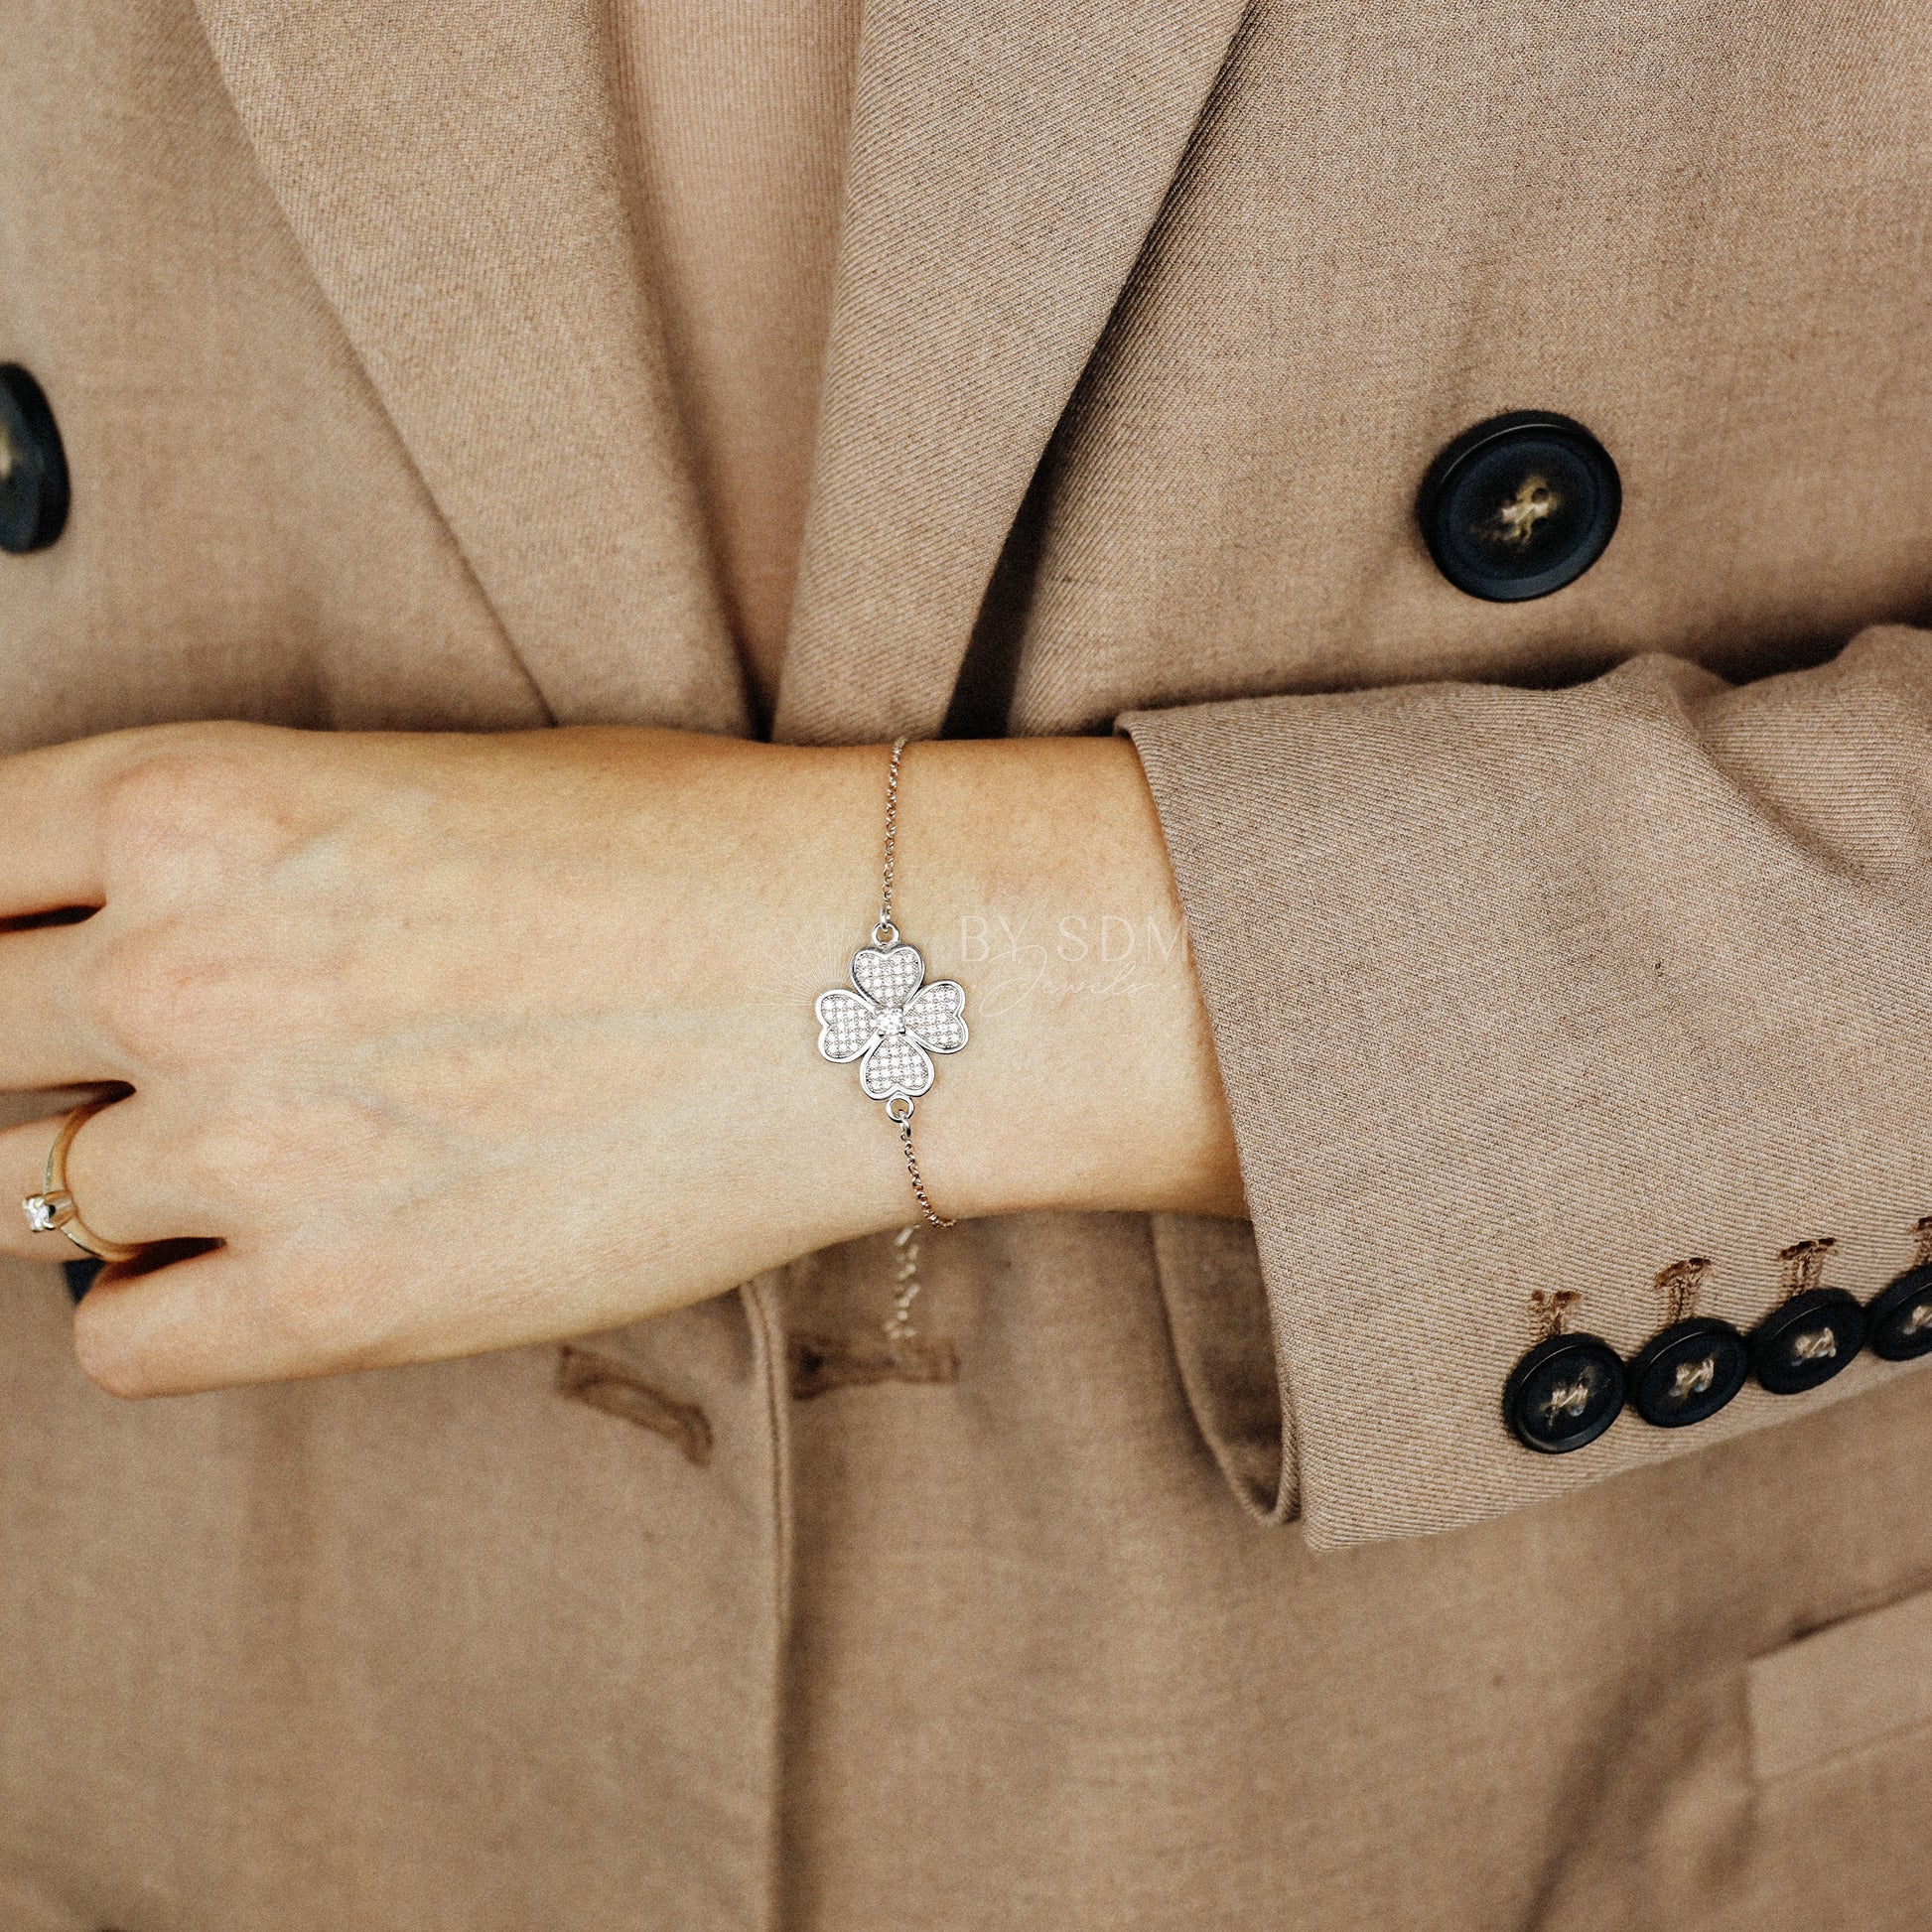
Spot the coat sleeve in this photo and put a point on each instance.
(1539, 990)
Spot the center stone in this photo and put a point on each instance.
(891, 1021)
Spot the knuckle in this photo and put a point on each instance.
(172, 786)
(186, 791)
(147, 994)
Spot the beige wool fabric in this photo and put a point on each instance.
(739, 113)
(1545, 946)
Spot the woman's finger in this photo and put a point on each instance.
(51, 806)
(196, 1324)
(43, 1041)
(124, 1187)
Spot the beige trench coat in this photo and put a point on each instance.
(1546, 944)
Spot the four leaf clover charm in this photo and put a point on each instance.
(893, 1023)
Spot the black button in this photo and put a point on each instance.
(1900, 1318)
(1806, 1340)
(1563, 1394)
(1688, 1372)
(33, 466)
(1519, 507)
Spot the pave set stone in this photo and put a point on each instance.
(892, 1023)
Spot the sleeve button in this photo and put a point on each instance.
(1688, 1372)
(1900, 1318)
(1805, 1342)
(1563, 1394)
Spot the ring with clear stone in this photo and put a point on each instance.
(52, 1210)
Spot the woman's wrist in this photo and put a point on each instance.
(1031, 871)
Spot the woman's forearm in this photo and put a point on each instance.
(1032, 870)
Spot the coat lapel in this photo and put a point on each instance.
(1008, 159)
(452, 169)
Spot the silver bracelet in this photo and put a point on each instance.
(889, 1020)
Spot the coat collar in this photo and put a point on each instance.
(1008, 159)
(452, 170)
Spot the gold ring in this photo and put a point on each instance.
(52, 1211)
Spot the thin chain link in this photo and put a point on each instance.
(891, 841)
(904, 1122)
(926, 1209)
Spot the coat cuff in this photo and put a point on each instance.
(1523, 991)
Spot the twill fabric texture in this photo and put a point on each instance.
(1546, 945)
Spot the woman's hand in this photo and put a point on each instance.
(447, 1044)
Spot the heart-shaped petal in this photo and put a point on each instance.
(845, 1024)
(898, 1064)
(890, 975)
(937, 1015)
